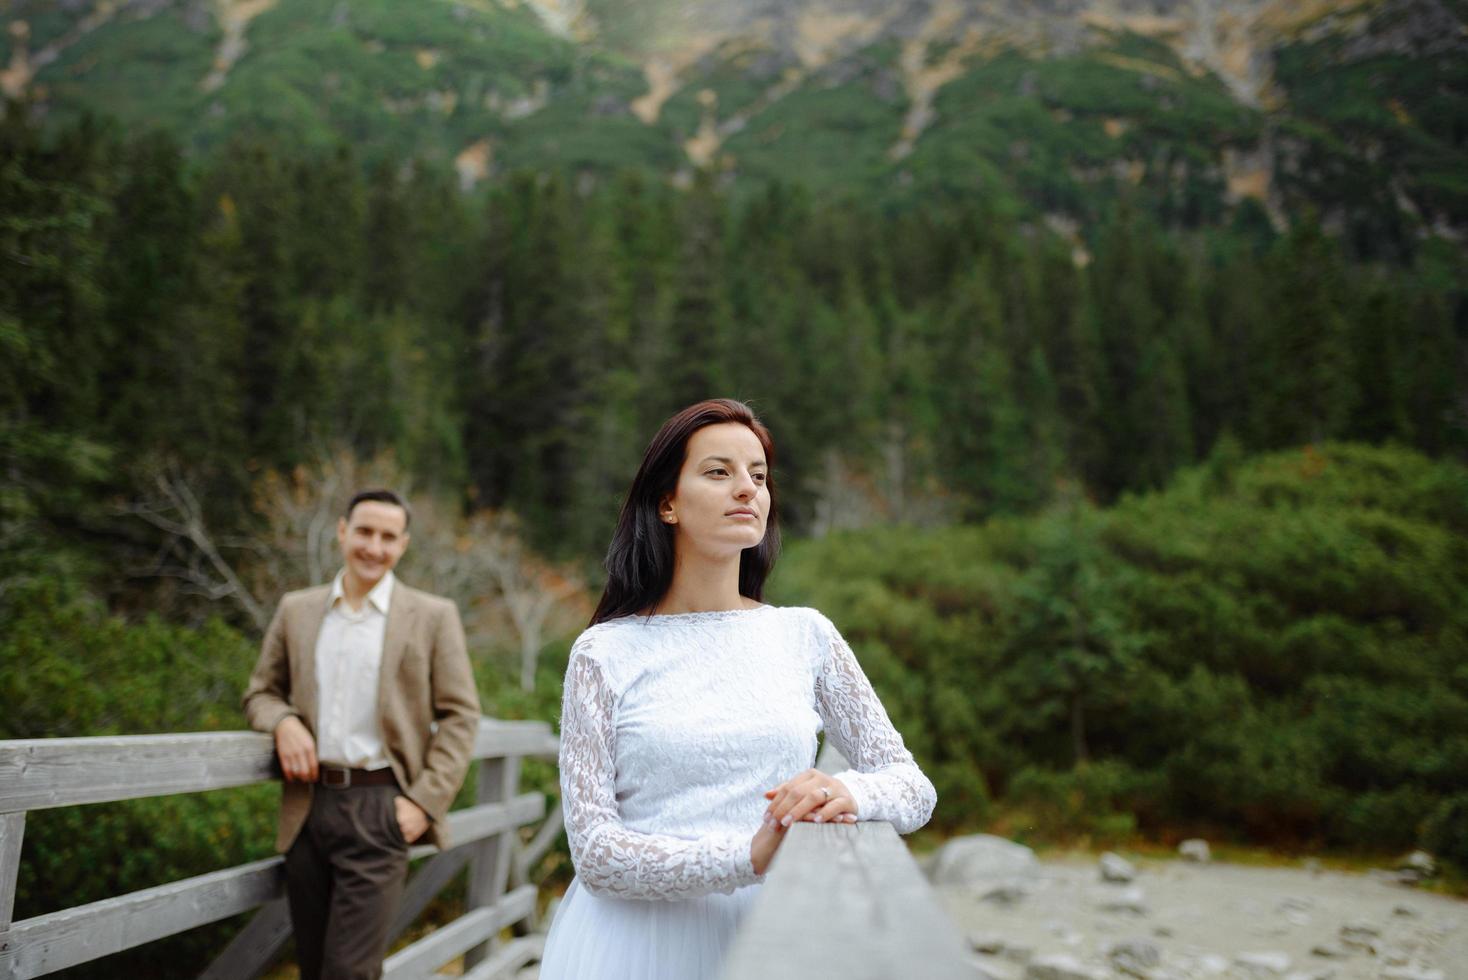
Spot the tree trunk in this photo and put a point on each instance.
(1078, 730)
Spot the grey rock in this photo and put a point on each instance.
(1134, 957)
(1360, 935)
(1018, 954)
(989, 969)
(1195, 849)
(1414, 972)
(1212, 964)
(1131, 900)
(1416, 867)
(1060, 967)
(981, 859)
(1007, 895)
(986, 943)
(1116, 869)
(1310, 975)
(1270, 964)
(1162, 932)
(1329, 951)
(1405, 912)
(1419, 861)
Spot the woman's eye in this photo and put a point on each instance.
(759, 478)
(718, 471)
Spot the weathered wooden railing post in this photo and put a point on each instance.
(489, 860)
(848, 901)
(42, 773)
(12, 833)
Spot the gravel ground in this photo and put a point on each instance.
(1204, 920)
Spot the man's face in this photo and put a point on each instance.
(372, 538)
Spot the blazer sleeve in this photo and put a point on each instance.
(267, 699)
(456, 716)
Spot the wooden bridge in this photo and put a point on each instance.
(843, 900)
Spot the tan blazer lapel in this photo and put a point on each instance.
(401, 613)
(303, 659)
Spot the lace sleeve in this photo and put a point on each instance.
(884, 779)
(611, 859)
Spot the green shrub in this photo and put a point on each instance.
(1445, 832)
(1278, 656)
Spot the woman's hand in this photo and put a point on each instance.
(812, 796)
(766, 841)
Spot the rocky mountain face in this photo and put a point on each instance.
(1234, 39)
(1352, 108)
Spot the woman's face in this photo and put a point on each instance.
(722, 499)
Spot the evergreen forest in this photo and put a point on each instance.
(1153, 531)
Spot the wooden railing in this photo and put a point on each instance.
(848, 901)
(38, 774)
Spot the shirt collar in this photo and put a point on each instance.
(380, 597)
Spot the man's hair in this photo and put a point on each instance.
(381, 497)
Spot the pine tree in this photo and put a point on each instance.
(1314, 393)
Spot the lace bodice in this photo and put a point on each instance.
(673, 727)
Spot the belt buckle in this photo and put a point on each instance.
(346, 774)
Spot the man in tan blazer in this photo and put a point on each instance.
(366, 686)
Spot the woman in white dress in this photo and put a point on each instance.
(690, 717)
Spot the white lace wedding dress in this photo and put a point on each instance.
(672, 729)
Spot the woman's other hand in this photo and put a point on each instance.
(812, 795)
(766, 841)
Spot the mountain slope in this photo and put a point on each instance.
(1198, 107)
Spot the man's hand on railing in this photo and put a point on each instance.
(296, 750)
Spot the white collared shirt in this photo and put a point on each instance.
(348, 662)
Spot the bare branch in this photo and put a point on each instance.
(177, 513)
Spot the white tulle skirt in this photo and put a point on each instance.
(597, 938)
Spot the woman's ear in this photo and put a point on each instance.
(666, 513)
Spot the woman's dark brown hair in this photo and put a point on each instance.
(640, 560)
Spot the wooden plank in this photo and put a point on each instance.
(50, 772)
(61, 939)
(475, 823)
(498, 738)
(525, 857)
(153, 913)
(511, 956)
(846, 900)
(426, 882)
(254, 946)
(420, 960)
(12, 833)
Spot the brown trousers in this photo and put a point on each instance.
(344, 878)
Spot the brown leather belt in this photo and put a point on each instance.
(337, 777)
